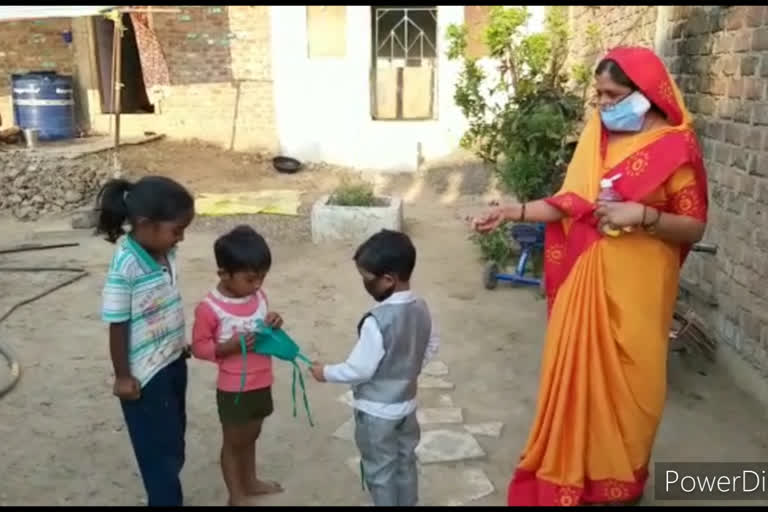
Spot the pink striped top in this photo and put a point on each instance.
(217, 318)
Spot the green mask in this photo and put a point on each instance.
(276, 343)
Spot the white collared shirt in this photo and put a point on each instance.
(365, 358)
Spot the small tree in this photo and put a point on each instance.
(528, 134)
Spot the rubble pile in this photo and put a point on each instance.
(32, 186)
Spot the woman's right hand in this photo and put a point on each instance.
(492, 219)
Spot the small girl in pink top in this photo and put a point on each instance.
(229, 310)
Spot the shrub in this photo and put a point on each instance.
(529, 131)
(528, 134)
(354, 193)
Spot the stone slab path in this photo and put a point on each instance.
(448, 446)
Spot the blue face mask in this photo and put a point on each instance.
(627, 115)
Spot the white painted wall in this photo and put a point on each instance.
(322, 105)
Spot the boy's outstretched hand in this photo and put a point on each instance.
(274, 320)
(318, 371)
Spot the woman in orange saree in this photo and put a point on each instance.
(611, 298)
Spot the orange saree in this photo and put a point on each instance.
(611, 301)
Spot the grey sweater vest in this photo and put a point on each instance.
(405, 329)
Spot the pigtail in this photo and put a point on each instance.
(113, 208)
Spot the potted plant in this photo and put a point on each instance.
(354, 212)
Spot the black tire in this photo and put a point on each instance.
(489, 276)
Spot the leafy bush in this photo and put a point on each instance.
(529, 133)
(494, 246)
(354, 193)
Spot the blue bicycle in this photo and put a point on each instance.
(530, 238)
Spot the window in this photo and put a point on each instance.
(404, 62)
(326, 31)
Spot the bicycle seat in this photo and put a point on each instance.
(527, 234)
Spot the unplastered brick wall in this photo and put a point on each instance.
(219, 58)
(31, 45)
(719, 57)
(597, 28)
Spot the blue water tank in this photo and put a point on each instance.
(43, 100)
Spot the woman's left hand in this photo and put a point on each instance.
(619, 214)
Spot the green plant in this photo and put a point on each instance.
(494, 246)
(353, 193)
(528, 135)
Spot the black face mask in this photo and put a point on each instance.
(370, 287)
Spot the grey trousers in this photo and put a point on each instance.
(388, 456)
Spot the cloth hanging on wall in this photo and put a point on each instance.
(154, 66)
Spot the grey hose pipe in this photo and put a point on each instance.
(7, 352)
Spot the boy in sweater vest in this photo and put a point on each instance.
(396, 339)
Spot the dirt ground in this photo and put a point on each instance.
(62, 439)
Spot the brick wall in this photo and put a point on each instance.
(614, 25)
(220, 65)
(219, 58)
(719, 58)
(31, 46)
(221, 73)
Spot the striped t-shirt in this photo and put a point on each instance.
(140, 291)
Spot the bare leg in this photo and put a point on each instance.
(254, 486)
(233, 448)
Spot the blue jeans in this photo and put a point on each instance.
(156, 424)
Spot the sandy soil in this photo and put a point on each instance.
(62, 439)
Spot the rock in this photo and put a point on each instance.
(447, 446)
(446, 401)
(26, 213)
(353, 463)
(72, 196)
(431, 416)
(33, 185)
(428, 382)
(442, 485)
(473, 484)
(346, 432)
(436, 369)
(346, 398)
(490, 429)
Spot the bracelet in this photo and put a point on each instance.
(522, 213)
(651, 228)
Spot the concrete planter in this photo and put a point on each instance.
(354, 223)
